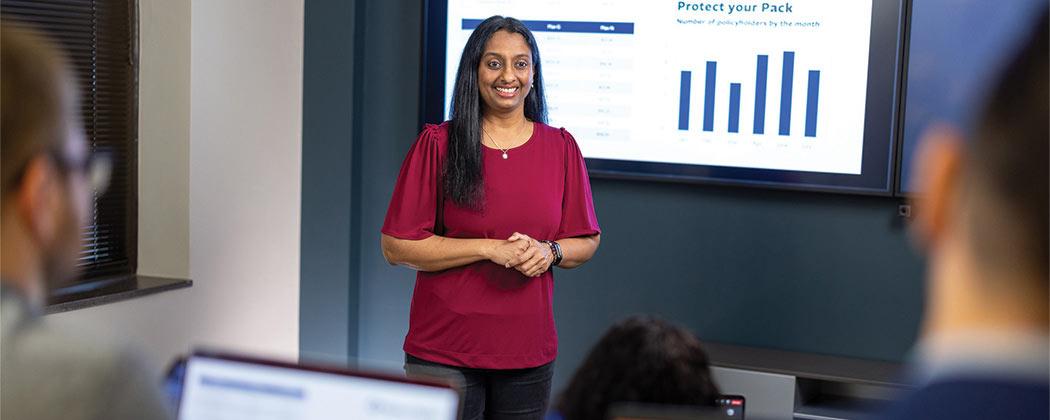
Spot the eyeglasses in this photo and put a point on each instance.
(97, 168)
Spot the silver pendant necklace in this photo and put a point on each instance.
(493, 140)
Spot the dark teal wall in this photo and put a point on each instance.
(328, 298)
(819, 273)
(389, 121)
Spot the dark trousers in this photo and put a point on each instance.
(492, 394)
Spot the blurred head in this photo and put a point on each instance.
(46, 193)
(983, 208)
(499, 72)
(641, 359)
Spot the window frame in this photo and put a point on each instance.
(113, 278)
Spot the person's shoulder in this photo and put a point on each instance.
(435, 132)
(976, 398)
(71, 366)
(36, 338)
(559, 140)
(556, 135)
(44, 347)
(433, 128)
(433, 137)
(550, 131)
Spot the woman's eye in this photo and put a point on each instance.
(494, 64)
(523, 64)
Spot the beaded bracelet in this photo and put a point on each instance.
(556, 251)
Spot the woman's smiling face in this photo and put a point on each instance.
(505, 72)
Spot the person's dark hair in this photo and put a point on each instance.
(1007, 177)
(464, 183)
(641, 359)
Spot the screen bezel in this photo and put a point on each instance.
(879, 167)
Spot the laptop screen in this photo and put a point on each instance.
(221, 388)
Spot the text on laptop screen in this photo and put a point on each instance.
(221, 389)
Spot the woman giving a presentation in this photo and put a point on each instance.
(485, 206)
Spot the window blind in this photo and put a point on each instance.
(100, 40)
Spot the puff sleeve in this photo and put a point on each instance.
(577, 214)
(412, 213)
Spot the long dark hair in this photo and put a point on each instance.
(464, 183)
(641, 359)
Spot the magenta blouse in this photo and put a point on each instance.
(483, 315)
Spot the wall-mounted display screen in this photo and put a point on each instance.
(796, 94)
(952, 65)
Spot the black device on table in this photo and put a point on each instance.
(727, 407)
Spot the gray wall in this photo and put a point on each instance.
(800, 271)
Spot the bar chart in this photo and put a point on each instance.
(759, 100)
(761, 73)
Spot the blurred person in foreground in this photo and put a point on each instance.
(982, 220)
(48, 179)
(642, 359)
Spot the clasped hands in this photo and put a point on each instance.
(529, 256)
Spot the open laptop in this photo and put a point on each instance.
(225, 387)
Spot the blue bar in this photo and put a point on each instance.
(811, 103)
(709, 97)
(566, 26)
(785, 93)
(249, 387)
(734, 107)
(683, 101)
(760, 94)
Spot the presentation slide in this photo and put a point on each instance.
(749, 84)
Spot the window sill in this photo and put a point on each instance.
(108, 291)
